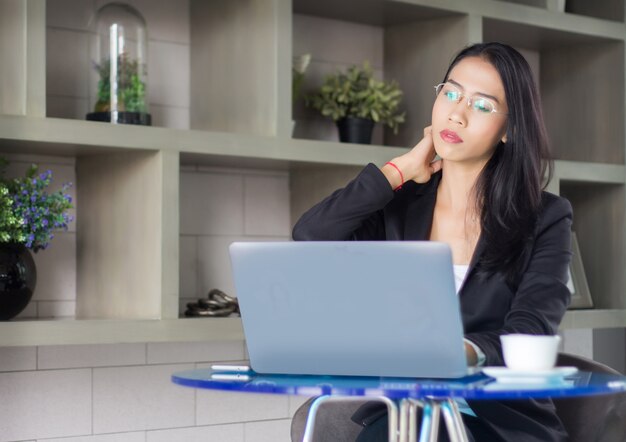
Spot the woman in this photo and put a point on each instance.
(483, 196)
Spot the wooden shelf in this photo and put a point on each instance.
(594, 319)
(584, 172)
(95, 331)
(55, 136)
(68, 332)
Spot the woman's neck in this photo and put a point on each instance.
(456, 186)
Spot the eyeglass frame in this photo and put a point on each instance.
(469, 100)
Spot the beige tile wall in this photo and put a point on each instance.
(218, 207)
(123, 393)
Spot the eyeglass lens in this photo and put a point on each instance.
(453, 95)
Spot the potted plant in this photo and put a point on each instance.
(355, 100)
(118, 53)
(131, 93)
(298, 70)
(28, 217)
(300, 65)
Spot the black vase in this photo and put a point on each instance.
(139, 118)
(18, 277)
(355, 130)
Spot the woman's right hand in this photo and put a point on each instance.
(416, 165)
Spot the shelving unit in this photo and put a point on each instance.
(581, 71)
(109, 331)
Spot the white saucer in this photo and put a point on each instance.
(509, 376)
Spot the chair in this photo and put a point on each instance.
(592, 418)
(332, 423)
(586, 418)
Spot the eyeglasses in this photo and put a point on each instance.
(477, 104)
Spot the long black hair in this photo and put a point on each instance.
(507, 192)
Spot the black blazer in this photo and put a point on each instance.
(368, 209)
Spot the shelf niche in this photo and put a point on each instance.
(604, 9)
(599, 226)
(434, 36)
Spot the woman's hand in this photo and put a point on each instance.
(471, 356)
(416, 165)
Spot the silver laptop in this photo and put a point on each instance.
(350, 308)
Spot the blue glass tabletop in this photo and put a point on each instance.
(475, 386)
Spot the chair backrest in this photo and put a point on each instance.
(592, 418)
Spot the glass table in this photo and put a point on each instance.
(405, 396)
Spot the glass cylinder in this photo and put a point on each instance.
(119, 66)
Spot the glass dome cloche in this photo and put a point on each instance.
(118, 78)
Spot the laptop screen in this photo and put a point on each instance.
(350, 308)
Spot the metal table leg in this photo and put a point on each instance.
(458, 421)
(403, 420)
(429, 429)
(452, 419)
(392, 411)
(415, 404)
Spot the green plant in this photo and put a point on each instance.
(28, 214)
(357, 93)
(300, 65)
(131, 91)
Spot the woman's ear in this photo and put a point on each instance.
(504, 139)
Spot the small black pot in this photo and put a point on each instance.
(18, 277)
(355, 130)
(139, 118)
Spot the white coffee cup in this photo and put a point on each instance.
(530, 352)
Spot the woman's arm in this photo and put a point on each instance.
(354, 212)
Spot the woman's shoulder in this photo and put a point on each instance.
(554, 208)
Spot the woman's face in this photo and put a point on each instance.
(465, 135)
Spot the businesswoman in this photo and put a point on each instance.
(483, 195)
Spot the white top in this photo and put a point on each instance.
(460, 272)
